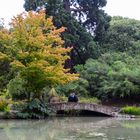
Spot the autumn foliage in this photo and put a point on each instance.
(36, 51)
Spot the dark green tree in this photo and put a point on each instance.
(113, 75)
(78, 16)
(88, 13)
(33, 4)
(123, 35)
(75, 36)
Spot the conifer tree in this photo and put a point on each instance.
(79, 17)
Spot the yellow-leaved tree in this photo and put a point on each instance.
(37, 53)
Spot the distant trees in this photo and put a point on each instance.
(123, 35)
(112, 75)
(116, 71)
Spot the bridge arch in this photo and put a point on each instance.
(108, 111)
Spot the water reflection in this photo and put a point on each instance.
(74, 128)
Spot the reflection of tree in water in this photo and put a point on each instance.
(73, 128)
(124, 129)
(132, 124)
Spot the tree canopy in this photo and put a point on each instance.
(36, 52)
(123, 35)
(115, 73)
(79, 20)
(88, 13)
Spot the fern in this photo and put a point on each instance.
(35, 109)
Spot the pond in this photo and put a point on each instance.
(70, 128)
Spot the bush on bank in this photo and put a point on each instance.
(132, 110)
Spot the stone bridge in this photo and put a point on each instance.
(106, 110)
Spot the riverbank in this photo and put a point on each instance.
(14, 115)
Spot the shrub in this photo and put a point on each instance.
(34, 109)
(16, 89)
(78, 86)
(63, 98)
(52, 93)
(132, 110)
(89, 100)
(4, 106)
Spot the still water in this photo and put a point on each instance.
(73, 128)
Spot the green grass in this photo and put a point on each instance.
(132, 110)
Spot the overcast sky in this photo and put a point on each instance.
(10, 8)
(125, 8)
